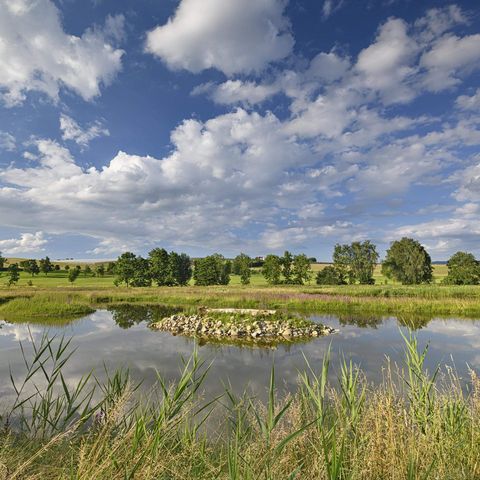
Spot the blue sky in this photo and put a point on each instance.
(238, 125)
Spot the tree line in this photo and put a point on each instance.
(406, 261)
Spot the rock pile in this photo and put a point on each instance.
(205, 326)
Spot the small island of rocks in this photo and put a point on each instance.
(242, 324)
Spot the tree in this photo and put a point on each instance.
(67, 267)
(100, 270)
(364, 259)
(241, 266)
(45, 265)
(160, 266)
(329, 275)
(110, 268)
(57, 267)
(13, 274)
(272, 269)
(342, 261)
(141, 275)
(287, 263)
(463, 269)
(125, 267)
(30, 266)
(2, 261)
(301, 269)
(180, 268)
(87, 270)
(211, 270)
(73, 274)
(356, 262)
(408, 262)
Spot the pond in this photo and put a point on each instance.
(121, 338)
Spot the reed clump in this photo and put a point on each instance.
(416, 424)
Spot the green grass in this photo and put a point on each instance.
(415, 425)
(44, 307)
(426, 301)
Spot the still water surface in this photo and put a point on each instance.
(126, 341)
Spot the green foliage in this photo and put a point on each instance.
(272, 269)
(160, 266)
(180, 268)
(87, 270)
(356, 262)
(301, 271)
(408, 262)
(241, 266)
(13, 274)
(132, 270)
(110, 268)
(287, 264)
(30, 266)
(2, 261)
(46, 265)
(141, 276)
(211, 270)
(73, 274)
(329, 275)
(463, 269)
(100, 270)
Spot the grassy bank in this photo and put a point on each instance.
(426, 301)
(412, 426)
(43, 307)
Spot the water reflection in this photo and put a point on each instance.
(127, 315)
(119, 337)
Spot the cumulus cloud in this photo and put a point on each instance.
(37, 54)
(71, 130)
(27, 243)
(387, 65)
(7, 142)
(449, 59)
(469, 102)
(214, 183)
(232, 36)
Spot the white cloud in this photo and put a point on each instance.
(449, 59)
(27, 243)
(233, 36)
(214, 182)
(36, 53)
(469, 183)
(71, 130)
(234, 92)
(7, 142)
(328, 67)
(466, 102)
(387, 65)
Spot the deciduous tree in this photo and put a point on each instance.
(463, 269)
(272, 269)
(301, 271)
(13, 274)
(408, 262)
